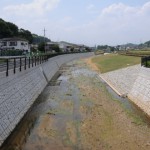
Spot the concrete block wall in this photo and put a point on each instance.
(123, 79)
(140, 93)
(54, 63)
(19, 91)
(133, 82)
(17, 94)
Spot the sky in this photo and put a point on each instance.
(89, 22)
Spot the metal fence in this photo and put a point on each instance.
(21, 63)
(145, 61)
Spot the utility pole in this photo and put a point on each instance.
(44, 40)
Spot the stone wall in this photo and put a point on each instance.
(19, 91)
(140, 93)
(133, 82)
(17, 94)
(123, 79)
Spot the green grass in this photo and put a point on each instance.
(113, 62)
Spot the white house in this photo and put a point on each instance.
(14, 44)
(65, 46)
(49, 45)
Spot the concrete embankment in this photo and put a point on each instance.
(140, 92)
(19, 91)
(133, 82)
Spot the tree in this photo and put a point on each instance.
(13, 28)
(147, 43)
(88, 49)
(4, 29)
(56, 48)
(112, 49)
(38, 39)
(101, 47)
(26, 35)
(41, 47)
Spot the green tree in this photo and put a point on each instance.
(4, 29)
(38, 39)
(112, 49)
(26, 35)
(101, 47)
(41, 47)
(56, 48)
(13, 28)
(147, 43)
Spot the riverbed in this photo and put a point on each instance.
(77, 110)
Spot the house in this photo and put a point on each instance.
(68, 47)
(65, 46)
(14, 44)
(49, 46)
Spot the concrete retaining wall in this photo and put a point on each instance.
(140, 93)
(133, 82)
(123, 79)
(18, 92)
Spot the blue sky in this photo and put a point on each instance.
(89, 22)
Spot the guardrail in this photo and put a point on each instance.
(145, 61)
(21, 63)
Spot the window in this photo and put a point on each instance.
(13, 44)
(4, 43)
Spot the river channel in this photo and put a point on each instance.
(77, 110)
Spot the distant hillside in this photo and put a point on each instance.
(38, 39)
(131, 45)
(71, 44)
(147, 43)
(8, 29)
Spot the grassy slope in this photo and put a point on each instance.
(113, 62)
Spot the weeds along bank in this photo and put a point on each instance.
(18, 92)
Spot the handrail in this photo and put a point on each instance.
(145, 61)
(14, 62)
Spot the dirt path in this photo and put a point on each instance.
(81, 114)
(92, 66)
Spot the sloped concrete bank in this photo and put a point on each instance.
(140, 92)
(18, 92)
(133, 82)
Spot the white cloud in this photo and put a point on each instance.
(116, 24)
(36, 7)
(117, 10)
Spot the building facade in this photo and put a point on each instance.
(14, 44)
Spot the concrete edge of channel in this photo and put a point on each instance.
(112, 87)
